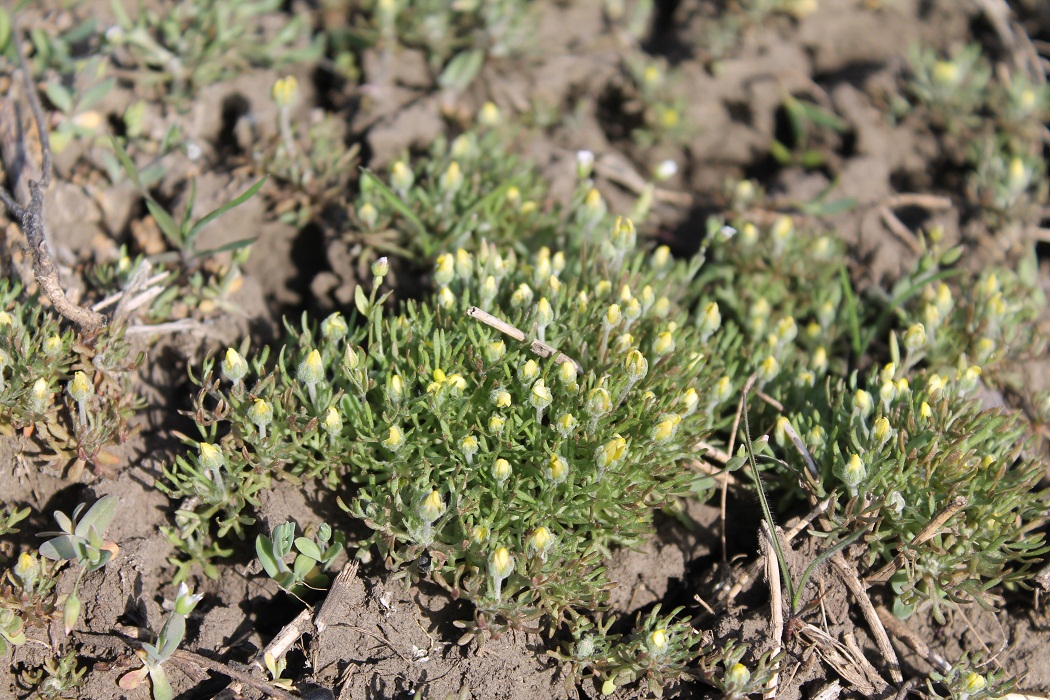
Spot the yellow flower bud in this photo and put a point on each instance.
(540, 396)
(333, 422)
(612, 317)
(635, 365)
(664, 344)
(80, 387)
(528, 372)
(446, 299)
(234, 367)
(665, 427)
(284, 91)
(502, 398)
(565, 424)
(496, 424)
(863, 403)
(431, 508)
(658, 641)
(557, 469)
(501, 470)
(489, 114)
(311, 369)
(539, 543)
(452, 179)
(768, 369)
(501, 564)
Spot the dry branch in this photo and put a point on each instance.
(31, 216)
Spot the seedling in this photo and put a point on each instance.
(315, 556)
(82, 542)
(155, 655)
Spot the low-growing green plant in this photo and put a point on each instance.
(472, 187)
(315, 556)
(10, 518)
(155, 655)
(812, 130)
(989, 123)
(724, 669)
(27, 598)
(69, 393)
(652, 101)
(185, 47)
(57, 677)
(182, 232)
(313, 164)
(81, 540)
(968, 679)
(501, 475)
(457, 37)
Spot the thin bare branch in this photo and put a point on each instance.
(32, 215)
(537, 346)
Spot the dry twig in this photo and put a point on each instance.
(31, 216)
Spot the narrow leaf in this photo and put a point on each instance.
(211, 216)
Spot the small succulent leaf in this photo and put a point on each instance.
(99, 516)
(171, 636)
(264, 550)
(161, 687)
(283, 538)
(361, 301)
(302, 567)
(309, 548)
(64, 522)
(59, 548)
(61, 97)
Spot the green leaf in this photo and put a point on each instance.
(71, 611)
(5, 33)
(166, 223)
(95, 93)
(369, 179)
(780, 152)
(161, 687)
(61, 97)
(99, 516)
(233, 245)
(264, 550)
(211, 216)
(361, 301)
(59, 548)
(125, 160)
(309, 548)
(461, 70)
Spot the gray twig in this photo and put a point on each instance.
(31, 217)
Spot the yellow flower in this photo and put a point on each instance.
(80, 387)
(854, 473)
(658, 641)
(529, 371)
(665, 428)
(915, 337)
(863, 403)
(710, 320)
(452, 179)
(496, 424)
(664, 344)
(431, 508)
(661, 257)
(211, 456)
(501, 470)
(446, 299)
(395, 388)
(260, 414)
(495, 351)
(567, 373)
(565, 424)
(234, 367)
(334, 327)
(445, 269)
(284, 91)
(311, 369)
(53, 345)
(737, 676)
(557, 469)
(540, 396)
(540, 542)
(502, 398)
(768, 369)
(395, 439)
(689, 399)
(501, 564)
(611, 452)
(489, 114)
(333, 422)
(635, 365)
(612, 317)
